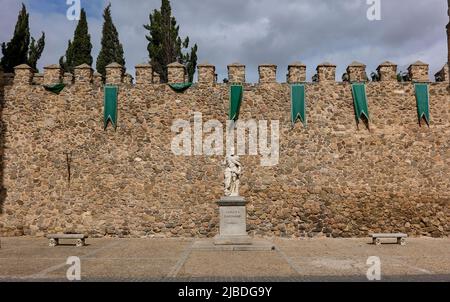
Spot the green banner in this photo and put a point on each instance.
(110, 114)
(180, 87)
(56, 88)
(298, 108)
(360, 101)
(423, 102)
(236, 94)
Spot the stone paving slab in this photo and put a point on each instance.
(256, 246)
(235, 264)
(140, 268)
(337, 256)
(30, 259)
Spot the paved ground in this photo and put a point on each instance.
(30, 259)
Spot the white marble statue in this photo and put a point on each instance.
(233, 170)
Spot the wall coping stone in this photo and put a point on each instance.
(326, 64)
(419, 63)
(83, 66)
(114, 65)
(236, 65)
(387, 63)
(296, 64)
(357, 64)
(205, 64)
(176, 64)
(143, 65)
(53, 66)
(23, 66)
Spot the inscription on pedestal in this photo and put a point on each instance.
(233, 222)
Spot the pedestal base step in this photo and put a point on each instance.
(256, 245)
(233, 240)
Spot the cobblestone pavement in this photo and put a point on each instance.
(175, 260)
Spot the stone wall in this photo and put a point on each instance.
(334, 178)
(443, 74)
(448, 37)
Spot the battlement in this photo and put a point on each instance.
(326, 73)
(63, 171)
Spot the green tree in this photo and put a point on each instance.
(79, 50)
(165, 45)
(112, 49)
(20, 50)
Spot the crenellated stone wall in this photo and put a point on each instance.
(267, 73)
(387, 72)
(114, 74)
(333, 178)
(296, 73)
(206, 73)
(176, 73)
(53, 74)
(326, 72)
(357, 72)
(418, 72)
(236, 73)
(448, 38)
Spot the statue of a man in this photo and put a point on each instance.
(233, 170)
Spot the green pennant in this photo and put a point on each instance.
(236, 94)
(180, 87)
(360, 101)
(56, 88)
(110, 106)
(298, 108)
(423, 102)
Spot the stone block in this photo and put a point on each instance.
(144, 74)
(114, 74)
(233, 222)
(267, 73)
(176, 73)
(418, 72)
(357, 72)
(387, 72)
(23, 75)
(83, 74)
(326, 72)
(296, 73)
(236, 73)
(53, 74)
(206, 73)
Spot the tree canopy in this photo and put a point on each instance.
(165, 45)
(79, 50)
(22, 49)
(112, 49)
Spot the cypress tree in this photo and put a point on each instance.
(79, 50)
(19, 50)
(35, 51)
(112, 49)
(165, 45)
(190, 60)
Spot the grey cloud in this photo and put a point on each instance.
(264, 31)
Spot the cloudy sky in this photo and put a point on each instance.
(258, 31)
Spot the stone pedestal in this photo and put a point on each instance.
(233, 222)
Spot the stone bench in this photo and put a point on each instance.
(80, 239)
(401, 238)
